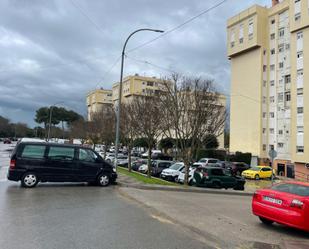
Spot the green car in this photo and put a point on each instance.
(217, 178)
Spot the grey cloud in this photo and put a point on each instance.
(51, 52)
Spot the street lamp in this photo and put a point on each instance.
(118, 109)
(50, 118)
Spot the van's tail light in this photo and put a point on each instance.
(12, 164)
(297, 203)
(205, 174)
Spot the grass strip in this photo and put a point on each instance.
(144, 179)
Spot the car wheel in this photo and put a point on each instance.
(176, 179)
(266, 221)
(29, 180)
(191, 182)
(257, 177)
(103, 180)
(216, 185)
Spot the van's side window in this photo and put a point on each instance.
(61, 153)
(33, 151)
(87, 155)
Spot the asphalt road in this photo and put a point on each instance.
(80, 216)
(225, 219)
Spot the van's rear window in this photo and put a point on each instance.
(33, 151)
(295, 189)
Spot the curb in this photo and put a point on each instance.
(185, 190)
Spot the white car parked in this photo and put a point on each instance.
(172, 173)
(206, 161)
(181, 177)
(143, 168)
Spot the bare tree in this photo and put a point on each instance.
(102, 126)
(192, 111)
(148, 115)
(129, 127)
(78, 129)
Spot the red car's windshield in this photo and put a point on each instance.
(295, 189)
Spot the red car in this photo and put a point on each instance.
(286, 203)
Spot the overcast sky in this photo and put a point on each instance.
(58, 50)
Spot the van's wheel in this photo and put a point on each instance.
(191, 182)
(257, 177)
(266, 221)
(103, 180)
(29, 180)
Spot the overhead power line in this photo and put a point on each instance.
(178, 26)
(84, 13)
(151, 64)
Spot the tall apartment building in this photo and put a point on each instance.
(136, 86)
(269, 53)
(97, 100)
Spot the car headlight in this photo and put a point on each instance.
(114, 169)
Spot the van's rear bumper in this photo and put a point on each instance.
(15, 174)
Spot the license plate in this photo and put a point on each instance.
(272, 200)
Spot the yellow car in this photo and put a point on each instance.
(258, 172)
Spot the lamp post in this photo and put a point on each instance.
(118, 108)
(50, 118)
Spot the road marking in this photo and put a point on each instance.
(161, 219)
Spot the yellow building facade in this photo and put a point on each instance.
(137, 86)
(97, 100)
(269, 53)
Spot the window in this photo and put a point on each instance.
(300, 72)
(297, 17)
(241, 33)
(300, 110)
(272, 99)
(295, 189)
(33, 151)
(264, 130)
(287, 46)
(300, 91)
(281, 64)
(271, 147)
(273, 51)
(300, 129)
(281, 48)
(280, 132)
(300, 149)
(287, 96)
(280, 145)
(264, 68)
(61, 153)
(217, 172)
(264, 83)
(280, 97)
(87, 155)
(264, 100)
(281, 32)
(264, 147)
(300, 55)
(272, 67)
(149, 83)
(299, 35)
(271, 130)
(287, 79)
(272, 83)
(272, 114)
(273, 21)
(272, 36)
(232, 44)
(250, 29)
(264, 114)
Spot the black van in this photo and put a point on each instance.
(33, 162)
